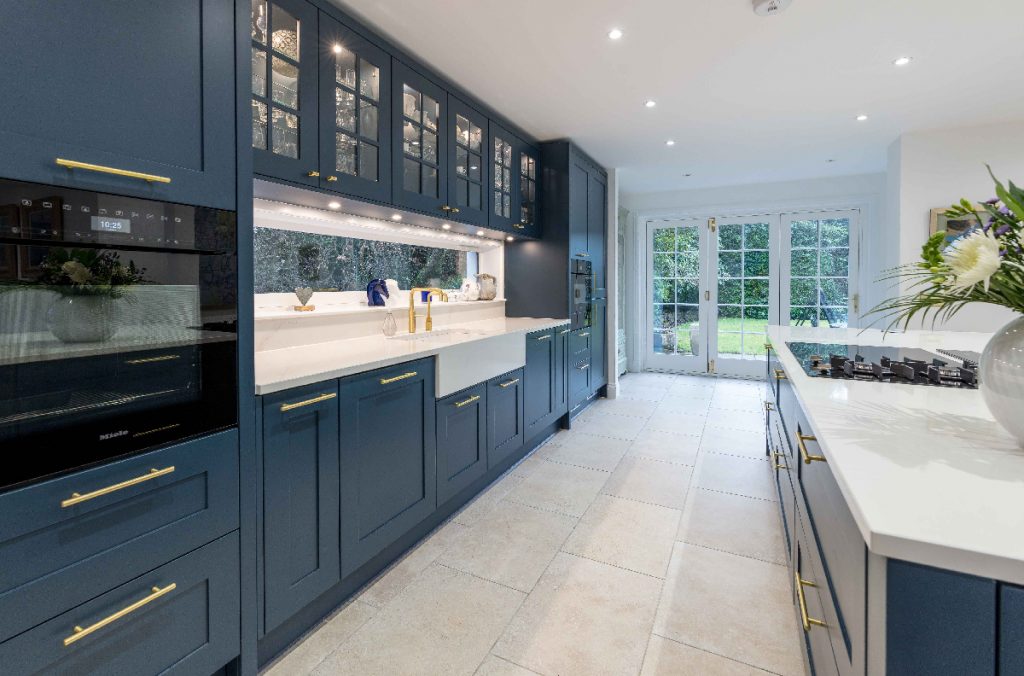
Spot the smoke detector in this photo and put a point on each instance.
(770, 7)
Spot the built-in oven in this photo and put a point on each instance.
(582, 294)
(117, 326)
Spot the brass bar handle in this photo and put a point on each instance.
(775, 460)
(445, 207)
(805, 619)
(404, 376)
(74, 164)
(780, 374)
(768, 406)
(509, 383)
(332, 178)
(808, 458)
(767, 346)
(563, 332)
(308, 402)
(313, 173)
(80, 633)
(546, 336)
(150, 360)
(467, 402)
(78, 498)
(519, 226)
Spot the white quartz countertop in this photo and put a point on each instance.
(294, 366)
(927, 473)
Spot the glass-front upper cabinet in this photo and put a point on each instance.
(529, 189)
(469, 165)
(284, 90)
(419, 163)
(503, 212)
(355, 140)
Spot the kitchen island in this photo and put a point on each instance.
(903, 506)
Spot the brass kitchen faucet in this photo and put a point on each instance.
(412, 305)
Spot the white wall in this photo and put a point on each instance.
(936, 168)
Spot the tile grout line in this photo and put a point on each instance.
(711, 652)
(726, 551)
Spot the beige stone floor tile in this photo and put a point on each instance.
(322, 641)
(728, 402)
(642, 391)
(401, 574)
(625, 533)
(618, 406)
(486, 501)
(511, 545)
(737, 475)
(495, 666)
(676, 421)
(732, 441)
(585, 450)
(739, 420)
(606, 425)
(658, 483)
(444, 623)
(732, 606)
(560, 488)
(735, 524)
(666, 657)
(697, 404)
(680, 449)
(583, 618)
(694, 383)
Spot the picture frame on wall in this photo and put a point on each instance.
(955, 227)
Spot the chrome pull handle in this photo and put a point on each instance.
(74, 164)
(808, 458)
(467, 402)
(80, 633)
(584, 334)
(307, 402)
(509, 383)
(78, 498)
(583, 254)
(404, 376)
(805, 619)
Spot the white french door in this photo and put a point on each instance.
(715, 285)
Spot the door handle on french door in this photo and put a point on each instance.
(707, 295)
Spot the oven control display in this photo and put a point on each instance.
(106, 224)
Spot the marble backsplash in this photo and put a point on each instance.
(287, 259)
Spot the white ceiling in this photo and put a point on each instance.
(747, 99)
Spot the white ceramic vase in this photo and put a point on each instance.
(82, 319)
(1002, 377)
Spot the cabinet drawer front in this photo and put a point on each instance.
(182, 618)
(783, 464)
(504, 416)
(461, 440)
(63, 556)
(811, 598)
(388, 457)
(842, 549)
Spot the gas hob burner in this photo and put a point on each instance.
(875, 363)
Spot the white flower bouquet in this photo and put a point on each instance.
(986, 265)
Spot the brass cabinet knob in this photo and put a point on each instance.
(445, 207)
(454, 210)
(332, 179)
(519, 226)
(313, 174)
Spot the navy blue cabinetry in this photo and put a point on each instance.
(137, 86)
(300, 498)
(505, 420)
(284, 90)
(1011, 630)
(419, 142)
(388, 462)
(528, 190)
(502, 195)
(468, 168)
(69, 539)
(461, 440)
(579, 367)
(181, 618)
(561, 372)
(539, 381)
(355, 114)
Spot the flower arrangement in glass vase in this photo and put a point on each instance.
(985, 265)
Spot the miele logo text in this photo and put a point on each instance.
(113, 435)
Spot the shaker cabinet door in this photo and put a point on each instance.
(504, 417)
(528, 186)
(284, 90)
(144, 87)
(468, 165)
(419, 142)
(502, 193)
(461, 440)
(355, 122)
(540, 402)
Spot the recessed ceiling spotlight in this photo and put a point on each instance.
(337, 48)
(670, 142)
(615, 34)
(334, 205)
(396, 217)
(902, 61)
(446, 226)
(480, 233)
(510, 238)
(862, 117)
(650, 103)
(829, 161)
(687, 175)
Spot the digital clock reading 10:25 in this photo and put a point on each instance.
(104, 224)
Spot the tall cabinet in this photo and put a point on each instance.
(573, 193)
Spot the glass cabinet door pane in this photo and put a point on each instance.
(411, 103)
(431, 111)
(430, 181)
(285, 37)
(368, 120)
(345, 109)
(285, 135)
(259, 72)
(411, 175)
(429, 146)
(285, 83)
(369, 80)
(476, 136)
(259, 21)
(368, 161)
(474, 166)
(259, 125)
(345, 154)
(344, 66)
(411, 139)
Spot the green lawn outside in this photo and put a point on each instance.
(730, 341)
